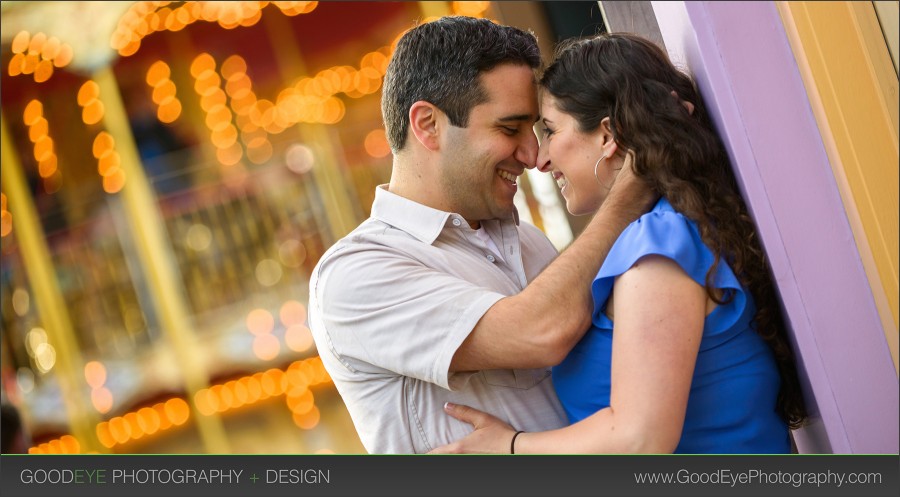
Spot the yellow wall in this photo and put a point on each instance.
(888, 18)
(852, 85)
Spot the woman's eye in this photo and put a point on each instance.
(547, 131)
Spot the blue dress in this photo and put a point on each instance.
(731, 406)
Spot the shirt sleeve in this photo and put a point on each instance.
(384, 312)
(669, 234)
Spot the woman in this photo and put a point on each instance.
(687, 352)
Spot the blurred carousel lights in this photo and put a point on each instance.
(223, 134)
(376, 144)
(168, 105)
(92, 108)
(44, 147)
(309, 100)
(198, 237)
(21, 301)
(233, 394)
(472, 9)
(25, 379)
(297, 336)
(143, 422)
(108, 162)
(101, 397)
(33, 338)
(6, 221)
(67, 444)
(299, 158)
(145, 18)
(40, 350)
(260, 323)
(268, 272)
(291, 253)
(38, 55)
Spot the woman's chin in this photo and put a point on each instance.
(577, 210)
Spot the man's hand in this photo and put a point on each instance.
(630, 193)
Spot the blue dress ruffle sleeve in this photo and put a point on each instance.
(731, 406)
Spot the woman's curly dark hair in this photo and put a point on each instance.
(631, 80)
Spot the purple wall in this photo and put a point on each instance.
(742, 61)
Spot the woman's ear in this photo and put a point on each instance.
(423, 123)
(607, 140)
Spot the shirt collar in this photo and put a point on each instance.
(423, 222)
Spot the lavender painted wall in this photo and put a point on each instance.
(743, 63)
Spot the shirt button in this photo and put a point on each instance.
(490, 258)
(456, 222)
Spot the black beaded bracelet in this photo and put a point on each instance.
(512, 445)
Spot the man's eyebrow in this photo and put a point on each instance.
(518, 117)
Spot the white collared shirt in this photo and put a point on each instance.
(391, 303)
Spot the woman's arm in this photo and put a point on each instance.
(659, 314)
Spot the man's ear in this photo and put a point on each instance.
(424, 123)
(607, 140)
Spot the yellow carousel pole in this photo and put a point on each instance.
(326, 174)
(157, 260)
(51, 305)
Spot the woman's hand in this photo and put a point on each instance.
(491, 436)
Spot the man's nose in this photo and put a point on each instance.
(527, 151)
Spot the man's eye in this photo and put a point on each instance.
(509, 131)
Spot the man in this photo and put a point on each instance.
(426, 301)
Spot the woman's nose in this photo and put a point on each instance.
(543, 159)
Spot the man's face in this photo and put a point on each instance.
(481, 162)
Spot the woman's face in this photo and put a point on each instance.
(570, 156)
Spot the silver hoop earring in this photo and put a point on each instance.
(597, 164)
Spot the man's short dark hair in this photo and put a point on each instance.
(440, 61)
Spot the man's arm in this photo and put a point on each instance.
(541, 324)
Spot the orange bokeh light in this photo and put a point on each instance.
(266, 347)
(114, 182)
(43, 71)
(48, 166)
(292, 312)
(38, 129)
(109, 162)
(177, 411)
(43, 148)
(170, 111)
(260, 321)
(300, 400)
(136, 430)
(157, 73)
(298, 338)
(69, 444)
(148, 420)
(102, 399)
(33, 111)
(376, 144)
(95, 374)
(64, 56)
(88, 92)
(104, 435)
(93, 112)
(231, 155)
(20, 42)
(308, 420)
(103, 142)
